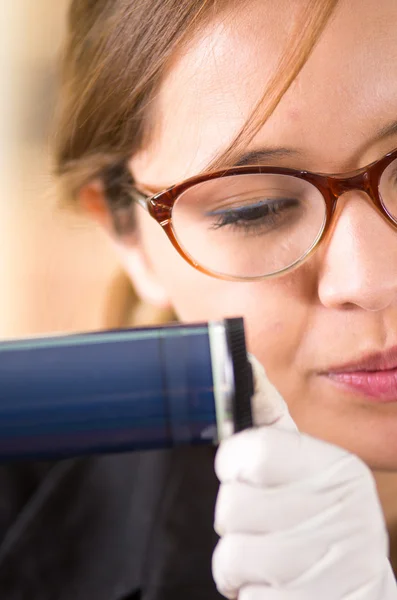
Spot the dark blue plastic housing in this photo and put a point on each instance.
(106, 392)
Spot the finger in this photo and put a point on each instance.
(242, 508)
(364, 586)
(260, 592)
(327, 589)
(275, 561)
(268, 406)
(272, 457)
(290, 563)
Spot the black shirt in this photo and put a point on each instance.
(133, 526)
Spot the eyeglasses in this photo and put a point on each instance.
(250, 223)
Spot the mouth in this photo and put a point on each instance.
(373, 376)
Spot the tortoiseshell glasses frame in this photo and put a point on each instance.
(331, 187)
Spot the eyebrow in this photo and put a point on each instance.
(262, 155)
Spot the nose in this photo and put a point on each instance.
(359, 258)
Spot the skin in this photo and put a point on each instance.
(331, 310)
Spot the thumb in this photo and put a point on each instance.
(268, 406)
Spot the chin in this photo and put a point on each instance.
(366, 430)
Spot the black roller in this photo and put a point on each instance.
(243, 376)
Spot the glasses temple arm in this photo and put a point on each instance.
(140, 198)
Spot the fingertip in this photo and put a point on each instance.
(243, 456)
(222, 557)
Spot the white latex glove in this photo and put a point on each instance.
(299, 519)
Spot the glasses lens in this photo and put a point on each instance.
(388, 189)
(249, 226)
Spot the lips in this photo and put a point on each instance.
(373, 376)
(379, 361)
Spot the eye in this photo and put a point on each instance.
(259, 216)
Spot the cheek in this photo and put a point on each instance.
(276, 312)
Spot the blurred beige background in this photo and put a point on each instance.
(55, 268)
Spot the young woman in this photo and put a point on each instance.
(276, 121)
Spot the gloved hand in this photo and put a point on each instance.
(299, 519)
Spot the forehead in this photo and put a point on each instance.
(345, 93)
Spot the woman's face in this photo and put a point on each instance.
(338, 115)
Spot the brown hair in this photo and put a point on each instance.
(116, 55)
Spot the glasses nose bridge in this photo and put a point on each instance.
(359, 182)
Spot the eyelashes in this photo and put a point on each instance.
(260, 216)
